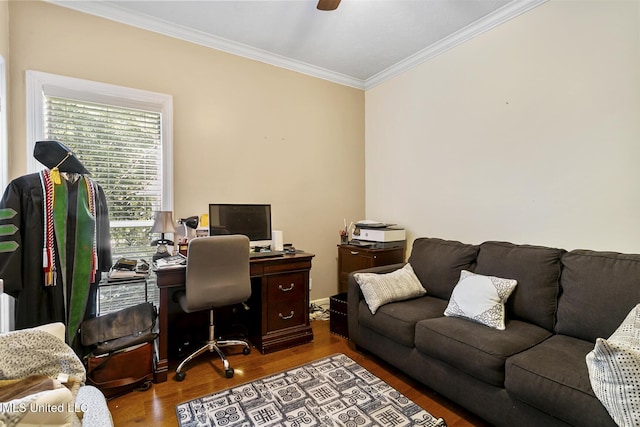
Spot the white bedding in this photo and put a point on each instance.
(43, 351)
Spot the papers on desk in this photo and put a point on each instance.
(126, 269)
(171, 262)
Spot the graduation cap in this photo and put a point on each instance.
(54, 154)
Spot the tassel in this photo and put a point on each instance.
(47, 267)
(55, 176)
(55, 172)
(45, 259)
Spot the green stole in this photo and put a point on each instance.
(82, 268)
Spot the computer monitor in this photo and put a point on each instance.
(252, 220)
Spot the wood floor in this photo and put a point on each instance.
(205, 375)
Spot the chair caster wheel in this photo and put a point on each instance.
(246, 350)
(180, 376)
(229, 373)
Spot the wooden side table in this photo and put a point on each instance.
(352, 258)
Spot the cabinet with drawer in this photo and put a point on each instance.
(285, 301)
(281, 290)
(352, 258)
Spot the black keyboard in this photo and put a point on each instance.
(267, 254)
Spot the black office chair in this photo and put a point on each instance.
(217, 275)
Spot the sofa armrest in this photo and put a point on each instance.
(94, 405)
(354, 296)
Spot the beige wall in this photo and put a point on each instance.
(244, 131)
(528, 133)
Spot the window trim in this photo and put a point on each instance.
(4, 164)
(6, 302)
(40, 84)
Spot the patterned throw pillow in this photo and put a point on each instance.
(614, 371)
(380, 289)
(480, 298)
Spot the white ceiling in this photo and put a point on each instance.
(361, 44)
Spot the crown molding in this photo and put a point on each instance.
(123, 16)
(476, 28)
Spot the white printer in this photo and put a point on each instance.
(370, 231)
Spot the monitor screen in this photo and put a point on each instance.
(254, 221)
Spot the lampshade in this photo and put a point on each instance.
(163, 223)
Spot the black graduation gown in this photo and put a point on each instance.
(22, 270)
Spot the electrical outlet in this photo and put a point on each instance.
(310, 283)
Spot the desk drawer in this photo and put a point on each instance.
(285, 301)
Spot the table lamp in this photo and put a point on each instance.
(163, 223)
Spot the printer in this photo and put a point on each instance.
(378, 234)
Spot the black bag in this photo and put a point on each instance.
(121, 329)
(121, 344)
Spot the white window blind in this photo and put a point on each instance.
(122, 149)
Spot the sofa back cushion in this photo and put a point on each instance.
(598, 289)
(438, 263)
(537, 270)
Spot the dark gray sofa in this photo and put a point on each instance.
(534, 372)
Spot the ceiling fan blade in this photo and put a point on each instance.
(328, 4)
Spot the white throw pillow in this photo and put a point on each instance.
(379, 289)
(614, 371)
(480, 298)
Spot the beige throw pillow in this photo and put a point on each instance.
(379, 289)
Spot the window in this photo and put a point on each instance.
(123, 137)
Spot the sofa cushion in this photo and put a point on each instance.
(537, 270)
(397, 321)
(614, 370)
(552, 376)
(474, 348)
(438, 263)
(380, 289)
(480, 298)
(598, 291)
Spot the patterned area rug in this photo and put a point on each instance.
(334, 391)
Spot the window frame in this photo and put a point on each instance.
(6, 302)
(40, 84)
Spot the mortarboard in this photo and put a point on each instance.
(54, 154)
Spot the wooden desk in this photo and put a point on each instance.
(278, 313)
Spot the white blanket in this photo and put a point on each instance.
(32, 351)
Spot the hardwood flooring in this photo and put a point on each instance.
(205, 375)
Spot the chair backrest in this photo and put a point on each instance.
(217, 272)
